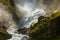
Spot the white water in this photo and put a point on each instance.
(31, 15)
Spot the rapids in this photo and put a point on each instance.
(30, 16)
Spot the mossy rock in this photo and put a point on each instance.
(8, 3)
(4, 35)
(47, 28)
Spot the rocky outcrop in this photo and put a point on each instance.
(22, 30)
(6, 19)
(3, 34)
(46, 28)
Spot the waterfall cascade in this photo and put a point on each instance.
(29, 12)
(31, 15)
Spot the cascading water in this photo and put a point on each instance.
(31, 15)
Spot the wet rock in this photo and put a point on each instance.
(47, 28)
(4, 35)
(22, 30)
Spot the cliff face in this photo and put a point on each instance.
(47, 28)
(6, 19)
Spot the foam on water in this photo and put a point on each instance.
(31, 17)
(16, 36)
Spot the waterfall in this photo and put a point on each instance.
(30, 16)
(30, 12)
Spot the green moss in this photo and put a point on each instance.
(46, 28)
(54, 15)
(40, 25)
(4, 35)
(8, 3)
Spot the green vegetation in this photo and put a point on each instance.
(4, 35)
(47, 28)
(8, 3)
